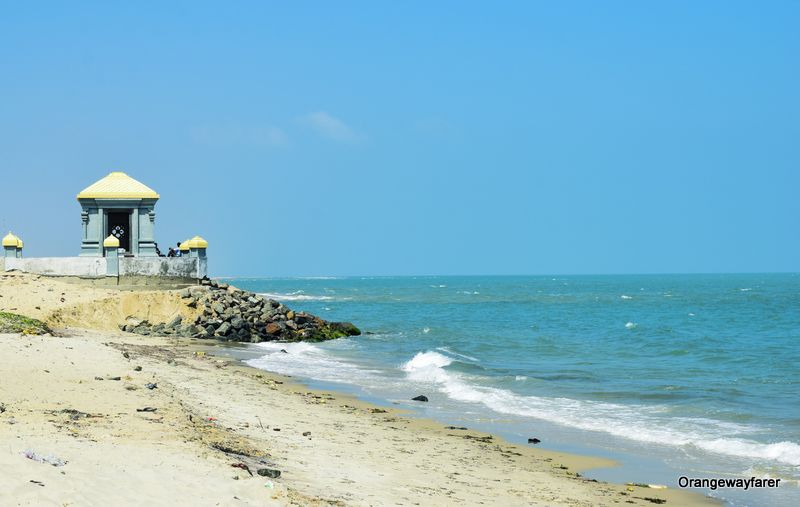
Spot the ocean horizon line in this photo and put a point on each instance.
(323, 277)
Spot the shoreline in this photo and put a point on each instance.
(241, 352)
(575, 462)
(212, 414)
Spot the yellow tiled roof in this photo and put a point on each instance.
(118, 185)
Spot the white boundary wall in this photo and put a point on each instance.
(96, 267)
(59, 266)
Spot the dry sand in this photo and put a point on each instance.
(212, 413)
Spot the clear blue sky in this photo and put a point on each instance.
(380, 138)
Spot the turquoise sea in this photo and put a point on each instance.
(671, 375)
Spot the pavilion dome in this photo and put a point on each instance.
(118, 185)
(11, 240)
(196, 242)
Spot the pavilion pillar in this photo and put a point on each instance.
(12, 247)
(111, 248)
(197, 250)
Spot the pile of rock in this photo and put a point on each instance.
(233, 314)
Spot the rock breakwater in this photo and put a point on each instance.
(227, 313)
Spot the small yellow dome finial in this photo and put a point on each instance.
(11, 240)
(197, 242)
(111, 242)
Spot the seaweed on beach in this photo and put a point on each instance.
(13, 323)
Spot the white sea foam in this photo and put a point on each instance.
(784, 452)
(625, 297)
(310, 361)
(768, 472)
(426, 330)
(454, 353)
(424, 360)
(646, 424)
(296, 296)
(631, 325)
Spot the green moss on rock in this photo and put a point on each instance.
(333, 330)
(13, 323)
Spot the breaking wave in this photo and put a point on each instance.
(646, 424)
(308, 360)
(295, 296)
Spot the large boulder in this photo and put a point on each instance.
(175, 322)
(223, 329)
(273, 329)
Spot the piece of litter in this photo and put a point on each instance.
(243, 467)
(39, 483)
(269, 485)
(49, 459)
(146, 409)
(151, 385)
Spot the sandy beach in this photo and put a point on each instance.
(211, 431)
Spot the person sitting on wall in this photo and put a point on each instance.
(171, 252)
(178, 252)
(158, 250)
